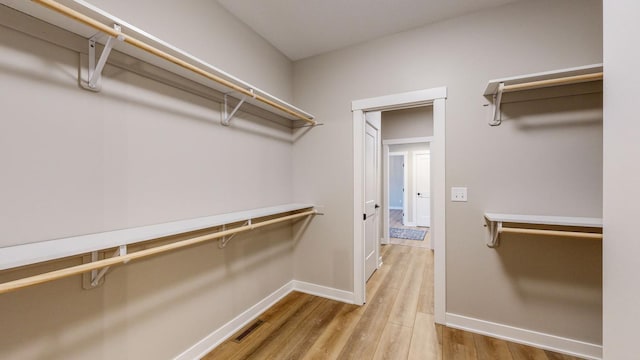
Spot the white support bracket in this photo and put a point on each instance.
(226, 116)
(93, 82)
(97, 276)
(223, 241)
(495, 228)
(497, 101)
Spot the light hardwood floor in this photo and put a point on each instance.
(395, 323)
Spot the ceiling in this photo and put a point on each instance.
(303, 28)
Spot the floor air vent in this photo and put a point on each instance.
(248, 331)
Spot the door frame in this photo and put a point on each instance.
(437, 98)
(415, 182)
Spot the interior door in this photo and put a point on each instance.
(371, 156)
(423, 188)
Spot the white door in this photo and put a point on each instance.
(423, 188)
(371, 193)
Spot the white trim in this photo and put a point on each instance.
(323, 291)
(410, 223)
(435, 96)
(400, 101)
(204, 346)
(438, 215)
(359, 294)
(528, 337)
(395, 208)
(413, 140)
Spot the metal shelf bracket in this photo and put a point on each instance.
(96, 277)
(93, 83)
(226, 116)
(497, 101)
(223, 241)
(495, 228)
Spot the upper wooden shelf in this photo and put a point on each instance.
(85, 20)
(545, 79)
(496, 88)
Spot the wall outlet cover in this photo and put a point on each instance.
(459, 194)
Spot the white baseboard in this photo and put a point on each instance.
(204, 346)
(410, 224)
(528, 337)
(396, 208)
(323, 291)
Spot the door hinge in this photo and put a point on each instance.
(364, 217)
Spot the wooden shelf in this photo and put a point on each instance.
(493, 85)
(20, 255)
(181, 67)
(545, 220)
(494, 225)
(496, 88)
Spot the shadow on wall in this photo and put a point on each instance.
(551, 109)
(57, 319)
(553, 269)
(568, 106)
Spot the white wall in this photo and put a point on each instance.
(396, 182)
(545, 159)
(621, 179)
(139, 152)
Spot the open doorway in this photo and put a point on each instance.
(407, 192)
(436, 98)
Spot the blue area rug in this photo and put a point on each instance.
(409, 234)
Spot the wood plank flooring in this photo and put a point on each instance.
(396, 323)
(395, 220)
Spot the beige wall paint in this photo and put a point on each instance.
(621, 178)
(139, 152)
(206, 30)
(547, 159)
(407, 123)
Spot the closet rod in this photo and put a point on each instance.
(553, 82)
(53, 5)
(574, 234)
(78, 269)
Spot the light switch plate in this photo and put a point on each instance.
(459, 194)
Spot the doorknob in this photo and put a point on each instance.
(377, 206)
(419, 194)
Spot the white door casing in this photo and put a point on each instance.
(370, 216)
(422, 183)
(437, 98)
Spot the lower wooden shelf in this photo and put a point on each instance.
(494, 223)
